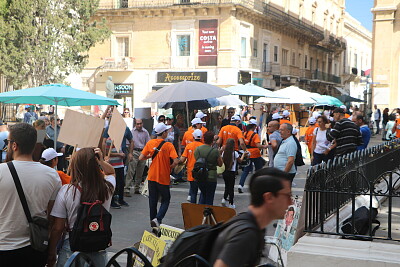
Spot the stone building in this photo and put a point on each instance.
(385, 60)
(272, 43)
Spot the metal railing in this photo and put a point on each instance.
(372, 173)
(323, 76)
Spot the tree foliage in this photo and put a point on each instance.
(43, 41)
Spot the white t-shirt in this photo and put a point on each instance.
(321, 143)
(40, 184)
(66, 206)
(235, 157)
(129, 123)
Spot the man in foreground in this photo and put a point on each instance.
(241, 243)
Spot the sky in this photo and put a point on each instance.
(361, 10)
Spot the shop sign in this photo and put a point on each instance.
(175, 77)
(244, 77)
(208, 42)
(123, 88)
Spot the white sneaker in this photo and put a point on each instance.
(240, 189)
(189, 199)
(154, 223)
(232, 206)
(223, 202)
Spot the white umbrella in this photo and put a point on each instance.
(250, 89)
(230, 100)
(293, 94)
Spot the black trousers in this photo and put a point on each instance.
(229, 178)
(23, 257)
(120, 183)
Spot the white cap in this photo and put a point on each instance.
(50, 154)
(200, 115)
(161, 127)
(235, 118)
(343, 107)
(312, 120)
(196, 121)
(326, 113)
(331, 118)
(286, 113)
(253, 121)
(295, 131)
(197, 134)
(276, 116)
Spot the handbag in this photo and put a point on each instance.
(38, 226)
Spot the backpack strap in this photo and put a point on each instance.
(157, 149)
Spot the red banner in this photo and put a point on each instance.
(208, 42)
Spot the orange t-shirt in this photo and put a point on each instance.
(230, 131)
(254, 150)
(188, 137)
(347, 115)
(397, 128)
(203, 129)
(189, 154)
(160, 167)
(65, 178)
(309, 135)
(282, 121)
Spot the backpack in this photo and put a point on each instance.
(92, 228)
(361, 222)
(200, 169)
(298, 160)
(199, 240)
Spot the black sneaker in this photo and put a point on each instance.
(115, 205)
(123, 203)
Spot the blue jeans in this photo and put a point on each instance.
(99, 258)
(158, 190)
(258, 164)
(194, 187)
(207, 192)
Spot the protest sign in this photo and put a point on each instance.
(80, 129)
(116, 130)
(169, 234)
(152, 247)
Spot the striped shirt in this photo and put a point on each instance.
(116, 162)
(347, 135)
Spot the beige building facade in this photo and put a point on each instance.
(271, 43)
(386, 47)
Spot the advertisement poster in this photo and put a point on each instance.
(152, 247)
(208, 42)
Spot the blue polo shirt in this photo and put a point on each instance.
(366, 136)
(127, 136)
(288, 148)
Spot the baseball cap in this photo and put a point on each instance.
(49, 154)
(200, 115)
(276, 116)
(196, 121)
(312, 120)
(235, 118)
(343, 107)
(338, 110)
(161, 127)
(285, 113)
(197, 134)
(253, 121)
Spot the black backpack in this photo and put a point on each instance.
(200, 169)
(92, 228)
(199, 240)
(298, 161)
(361, 222)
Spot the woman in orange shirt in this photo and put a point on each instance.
(50, 158)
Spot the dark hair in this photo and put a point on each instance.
(25, 135)
(161, 116)
(250, 127)
(324, 119)
(228, 153)
(360, 117)
(266, 180)
(47, 163)
(392, 117)
(338, 110)
(288, 126)
(386, 110)
(86, 173)
(209, 137)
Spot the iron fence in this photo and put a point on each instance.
(371, 173)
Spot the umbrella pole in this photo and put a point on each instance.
(187, 113)
(55, 128)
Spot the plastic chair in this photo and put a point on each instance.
(78, 258)
(131, 252)
(192, 260)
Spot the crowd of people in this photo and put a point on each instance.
(108, 175)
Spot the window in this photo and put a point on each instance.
(317, 67)
(285, 57)
(255, 44)
(311, 63)
(355, 60)
(293, 59)
(305, 61)
(183, 45)
(299, 60)
(123, 46)
(275, 53)
(243, 47)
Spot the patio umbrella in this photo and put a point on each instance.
(331, 101)
(230, 100)
(348, 98)
(250, 89)
(184, 92)
(55, 94)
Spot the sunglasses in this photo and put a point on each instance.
(8, 141)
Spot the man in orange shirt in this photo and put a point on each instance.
(232, 131)
(396, 128)
(253, 145)
(187, 138)
(285, 119)
(158, 176)
(309, 135)
(188, 155)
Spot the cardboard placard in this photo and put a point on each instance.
(116, 130)
(41, 134)
(81, 129)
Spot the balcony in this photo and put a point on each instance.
(323, 76)
(117, 63)
(250, 63)
(271, 68)
(305, 74)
